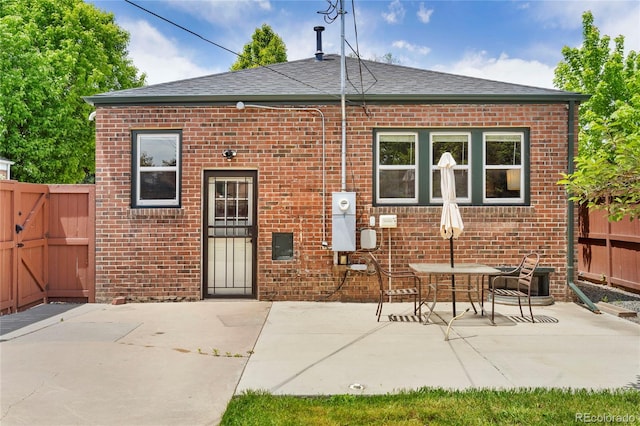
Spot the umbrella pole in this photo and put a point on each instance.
(453, 277)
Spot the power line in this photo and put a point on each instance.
(228, 50)
(332, 13)
(355, 31)
(181, 27)
(356, 51)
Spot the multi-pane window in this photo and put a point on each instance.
(458, 144)
(156, 171)
(230, 209)
(396, 155)
(503, 172)
(491, 166)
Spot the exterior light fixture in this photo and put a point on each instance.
(229, 154)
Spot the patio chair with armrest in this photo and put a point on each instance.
(522, 276)
(385, 292)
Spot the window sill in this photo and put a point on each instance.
(147, 213)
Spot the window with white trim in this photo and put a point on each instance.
(396, 155)
(503, 172)
(458, 144)
(492, 166)
(156, 168)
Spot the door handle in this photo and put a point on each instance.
(19, 229)
(20, 245)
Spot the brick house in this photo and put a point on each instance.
(226, 185)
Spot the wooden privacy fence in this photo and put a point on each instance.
(609, 252)
(47, 244)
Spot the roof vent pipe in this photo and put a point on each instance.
(319, 53)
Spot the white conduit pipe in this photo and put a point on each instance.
(242, 105)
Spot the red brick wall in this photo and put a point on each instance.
(155, 254)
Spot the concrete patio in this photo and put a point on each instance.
(314, 348)
(154, 364)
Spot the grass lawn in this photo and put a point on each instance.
(430, 406)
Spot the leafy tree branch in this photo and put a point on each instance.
(53, 52)
(607, 174)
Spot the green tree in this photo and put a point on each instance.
(607, 174)
(53, 52)
(387, 58)
(266, 47)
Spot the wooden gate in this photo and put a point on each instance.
(72, 242)
(28, 221)
(24, 244)
(8, 260)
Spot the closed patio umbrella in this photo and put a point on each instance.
(451, 225)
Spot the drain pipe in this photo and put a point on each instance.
(571, 217)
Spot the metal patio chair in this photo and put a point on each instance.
(522, 276)
(385, 292)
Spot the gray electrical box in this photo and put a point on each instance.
(343, 221)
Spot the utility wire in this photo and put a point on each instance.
(181, 27)
(355, 30)
(365, 66)
(229, 50)
(331, 14)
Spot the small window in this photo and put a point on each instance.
(503, 171)
(396, 155)
(281, 246)
(156, 171)
(458, 144)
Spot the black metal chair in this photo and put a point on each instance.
(385, 292)
(522, 275)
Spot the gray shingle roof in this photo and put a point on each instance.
(309, 80)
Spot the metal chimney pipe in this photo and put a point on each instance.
(319, 53)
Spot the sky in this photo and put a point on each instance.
(515, 41)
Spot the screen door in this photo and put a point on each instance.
(230, 234)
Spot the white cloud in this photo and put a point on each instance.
(396, 12)
(613, 18)
(503, 68)
(263, 4)
(223, 13)
(160, 58)
(424, 15)
(413, 48)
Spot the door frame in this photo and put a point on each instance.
(205, 236)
